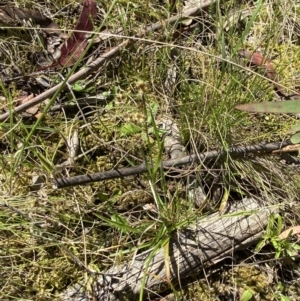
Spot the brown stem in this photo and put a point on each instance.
(142, 168)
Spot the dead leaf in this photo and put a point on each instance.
(13, 16)
(72, 49)
(291, 231)
(259, 61)
(33, 111)
(23, 98)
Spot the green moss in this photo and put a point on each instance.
(86, 221)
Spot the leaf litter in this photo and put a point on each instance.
(76, 44)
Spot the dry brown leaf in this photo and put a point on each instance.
(23, 98)
(72, 49)
(13, 16)
(257, 60)
(33, 111)
(291, 231)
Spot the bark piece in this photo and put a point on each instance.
(172, 140)
(210, 240)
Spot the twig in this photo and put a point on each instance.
(106, 57)
(142, 168)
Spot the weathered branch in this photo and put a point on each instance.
(190, 250)
(129, 171)
(106, 57)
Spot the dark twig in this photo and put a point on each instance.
(106, 57)
(129, 171)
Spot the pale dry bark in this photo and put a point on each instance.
(190, 250)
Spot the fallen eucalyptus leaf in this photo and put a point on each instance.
(289, 232)
(74, 46)
(290, 106)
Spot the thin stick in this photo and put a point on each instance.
(194, 158)
(106, 57)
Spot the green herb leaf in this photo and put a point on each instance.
(246, 296)
(129, 129)
(295, 138)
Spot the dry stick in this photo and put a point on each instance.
(105, 57)
(129, 171)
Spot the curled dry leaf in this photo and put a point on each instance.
(13, 16)
(291, 231)
(33, 111)
(257, 60)
(74, 46)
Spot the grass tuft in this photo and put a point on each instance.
(51, 239)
